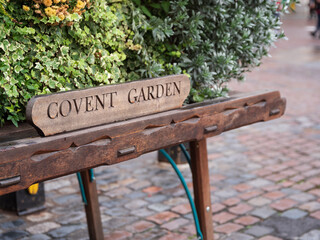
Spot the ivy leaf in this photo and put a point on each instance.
(26, 30)
(52, 84)
(17, 68)
(64, 50)
(15, 56)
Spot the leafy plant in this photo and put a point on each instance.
(113, 41)
(40, 58)
(212, 41)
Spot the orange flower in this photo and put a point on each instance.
(80, 4)
(47, 3)
(61, 16)
(50, 12)
(25, 8)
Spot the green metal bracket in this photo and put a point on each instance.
(83, 194)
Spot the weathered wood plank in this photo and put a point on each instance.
(39, 159)
(73, 110)
(92, 208)
(9, 132)
(53, 143)
(201, 186)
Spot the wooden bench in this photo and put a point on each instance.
(27, 158)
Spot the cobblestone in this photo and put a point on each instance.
(312, 235)
(13, 235)
(259, 231)
(263, 212)
(37, 237)
(162, 217)
(316, 215)
(311, 206)
(283, 204)
(228, 228)
(12, 224)
(182, 209)
(119, 222)
(174, 224)
(250, 194)
(142, 212)
(135, 204)
(158, 207)
(226, 193)
(238, 236)
(259, 182)
(140, 226)
(231, 201)
(217, 207)
(247, 220)
(118, 235)
(259, 201)
(294, 214)
(39, 217)
(240, 209)
(117, 211)
(291, 228)
(269, 238)
(223, 217)
(274, 195)
(42, 227)
(64, 231)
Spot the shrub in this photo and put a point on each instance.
(212, 41)
(57, 45)
(38, 57)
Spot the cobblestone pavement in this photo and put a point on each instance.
(265, 177)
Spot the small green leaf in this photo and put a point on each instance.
(15, 57)
(64, 50)
(17, 68)
(138, 2)
(165, 6)
(146, 11)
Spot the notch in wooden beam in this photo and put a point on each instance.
(126, 151)
(210, 129)
(9, 181)
(274, 112)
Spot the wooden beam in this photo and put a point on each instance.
(38, 159)
(201, 186)
(92, 207)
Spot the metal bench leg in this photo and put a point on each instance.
(201, 186)
(92, 207)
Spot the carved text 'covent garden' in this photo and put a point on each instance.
(67, 111)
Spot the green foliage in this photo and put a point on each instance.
(3, 9)
(116, 41)
(212, 41)
(38, 58)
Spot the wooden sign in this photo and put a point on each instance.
(72, 110)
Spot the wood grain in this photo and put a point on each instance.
(41, 158)
(201, 186)
(78, 109)
(92, 208)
